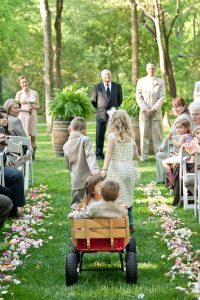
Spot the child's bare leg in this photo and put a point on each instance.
(167, 164)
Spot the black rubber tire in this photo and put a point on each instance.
(131, 246)
(131, 268)
(71, 274)
(73, 249)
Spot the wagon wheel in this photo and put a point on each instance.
(71, 274)
(131, 268)
(131, 246)
(73, 249)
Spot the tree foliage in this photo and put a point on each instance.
(95, 35)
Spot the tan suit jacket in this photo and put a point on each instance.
(150, 93)
(80, 159)
(101, 209)
(196, 94)
(15, 126)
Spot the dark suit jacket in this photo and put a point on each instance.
(101, 102)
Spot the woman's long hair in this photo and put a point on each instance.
(3, 111)
(89, 189)
(180, 102)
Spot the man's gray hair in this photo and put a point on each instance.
(150, 63)
(194, 106)
(105, 71)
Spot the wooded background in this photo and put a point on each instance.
(56, 43)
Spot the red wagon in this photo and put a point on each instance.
(101, 235)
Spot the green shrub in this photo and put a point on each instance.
(69, 103)
(129, 101)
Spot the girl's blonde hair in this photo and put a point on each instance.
(120, 126)
(90, 183)
(195, 130)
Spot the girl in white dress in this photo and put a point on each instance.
(118, 163)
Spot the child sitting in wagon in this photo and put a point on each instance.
(92, 191)
(107, 208)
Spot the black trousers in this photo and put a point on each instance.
(14, 181)
(5, 208)
(100, 136)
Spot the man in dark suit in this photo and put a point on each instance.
(105, 95)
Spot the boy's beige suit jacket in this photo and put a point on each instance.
(80, 159)
(101, 209)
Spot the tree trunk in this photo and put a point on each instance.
(159, 39)
(134, 41)
(168, 63)
(57, 25)
(48, 63)
(170, 73)
(162, 37)
(1, 89)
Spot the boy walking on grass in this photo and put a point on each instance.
(80, 158)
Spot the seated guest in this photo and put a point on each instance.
(14, 185)
(14, 124)
(192, 148)
(5, 208)
(108, 208)
(194, 109)
(180, 110)
(183, 128)
(4, 121)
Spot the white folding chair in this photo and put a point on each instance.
(186, 182)
(197, 187)
(28, 173)
(15, 149)
(2, 178)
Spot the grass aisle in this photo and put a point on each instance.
(42, 273)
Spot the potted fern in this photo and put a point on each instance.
(130, 105)
(65, 105)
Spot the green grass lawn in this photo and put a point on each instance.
(42, 274)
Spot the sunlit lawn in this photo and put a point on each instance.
(42, 274)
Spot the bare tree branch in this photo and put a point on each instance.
(175, 17)
(147, 14)
(144, 22)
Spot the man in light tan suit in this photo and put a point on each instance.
(108, 208)
(150, 93)
(196, 94)
(80, 158)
